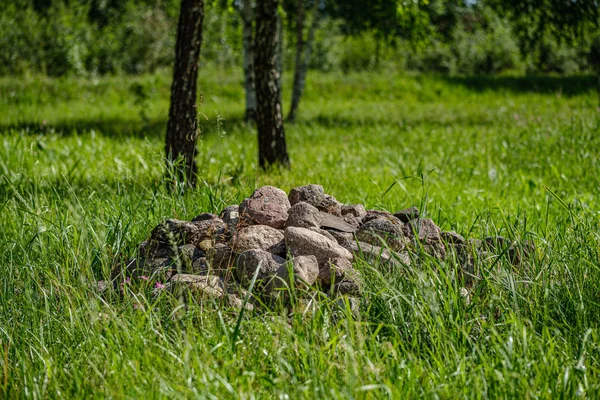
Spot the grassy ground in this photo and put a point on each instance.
(80, 186)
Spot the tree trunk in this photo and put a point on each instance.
(247, 18)
(301, 68)
(269, 121)
(182, 129)
(279, 54)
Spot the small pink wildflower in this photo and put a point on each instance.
(159, 285)
(144, 277)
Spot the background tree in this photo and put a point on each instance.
(246, 11)
(303, 50)
(269, 120)
(182, 129)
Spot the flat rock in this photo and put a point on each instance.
(304, 242)
(261, 237)
(304, 215)
(342, 224)
(268, 205)
(311, 194)
(382, 230)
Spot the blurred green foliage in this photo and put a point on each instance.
(98, 37)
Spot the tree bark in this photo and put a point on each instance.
(247, 18)
(182, 129)
(269, 121)
(301, 68)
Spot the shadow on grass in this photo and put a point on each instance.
(113, 127)
(566, 85)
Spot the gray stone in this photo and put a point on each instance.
(304, 215)
(231, 216)
(408, 214)
(355, 210)
(302, 271)
(304, 242)
(376, 214)
(268, 205)
(311, 194)
(222, 261)
(324, 233)
(424, 232)
(376, 254)
(330, 205)
(347, 287)
(453, 238)
(174, 232)
(342, 238)
(204, 217)
(261, 237)
(382, 230)
(342, 224)
(335, 270)
(201, 287)
(250, 260)
(214, 230)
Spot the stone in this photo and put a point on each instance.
(330, 205)
(347, 287)
(382, 230)
(250, 260)
(304, 215)
(304, 242)
(261, 237)
(201, 287)
(311, 194)
(214, 230)
(231, 217)
(424, 232)
(268, 205)
(342, 224)
(355, 210)
(334, 270)
(343, 238)
(516, 252)
(408, 214)
(324, 232)
(376, 254)
(453, 238)
(375, 214)
(174, 232)
(345, 304)
(302, 270)
(222, 261)
(204, 217)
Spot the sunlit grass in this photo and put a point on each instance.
(80, 186)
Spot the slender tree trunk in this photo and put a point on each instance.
(301, 68)
(247, 18)
(180, 144)
(279, 55)
(269, 121)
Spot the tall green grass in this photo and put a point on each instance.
(80, 186)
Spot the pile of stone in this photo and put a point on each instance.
(306, 241)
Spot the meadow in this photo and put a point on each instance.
(81, 167)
